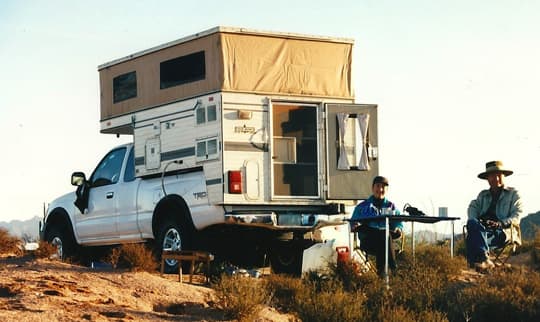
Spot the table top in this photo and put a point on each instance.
(422, 219)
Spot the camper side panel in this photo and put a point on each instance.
(181, 136)
(245, 133)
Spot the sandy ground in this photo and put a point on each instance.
(48, 290)
(45, 290)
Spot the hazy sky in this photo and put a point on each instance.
(457, 84)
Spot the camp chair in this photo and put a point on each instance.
(502, 253)
(363, 254)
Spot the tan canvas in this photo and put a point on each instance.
(147, 66)
(238, 62)
(265, 64)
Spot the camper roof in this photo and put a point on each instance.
(236, 30)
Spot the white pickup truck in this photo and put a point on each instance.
(114, 206)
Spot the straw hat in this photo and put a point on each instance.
(493, 167)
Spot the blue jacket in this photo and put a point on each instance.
(367, 209)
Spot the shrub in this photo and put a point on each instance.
(45, 250)
(10, 244)
(329, 303)
(282, 290)
(500, 296)
(240, 297)
(423, 289)
(402, 314)
(352, 278)
(136, 257)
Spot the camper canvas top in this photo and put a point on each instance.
(227, 60)
(236, 30)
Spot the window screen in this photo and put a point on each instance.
(181, 70)
(124, 87)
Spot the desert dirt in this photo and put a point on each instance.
(48, 290)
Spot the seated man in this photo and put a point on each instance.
(491, 216)
(373, 233)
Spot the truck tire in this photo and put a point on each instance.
(286, 259)
(63, 241)
(171, 237)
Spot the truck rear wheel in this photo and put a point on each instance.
(171, 237)
(286, 258)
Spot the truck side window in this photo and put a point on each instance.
(129, 174)
(108, 170)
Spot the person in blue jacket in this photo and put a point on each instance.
(372, 233)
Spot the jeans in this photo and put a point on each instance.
(372, 242)
(479, 239)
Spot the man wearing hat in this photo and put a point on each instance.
(372, 233)
(491, 216)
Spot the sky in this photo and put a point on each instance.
(456, 84)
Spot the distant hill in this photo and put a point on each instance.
(19, 228)
(529, 225)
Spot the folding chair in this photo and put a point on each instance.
(500, 253)
(512, 243)
(363, 255)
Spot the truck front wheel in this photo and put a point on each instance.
(63, 242)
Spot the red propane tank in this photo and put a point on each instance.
(342, 254)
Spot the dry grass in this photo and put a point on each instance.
(428, 288)
(10, 245)
(45, 250)
(241, 297)
(135, 257)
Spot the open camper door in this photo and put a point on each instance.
(351, 143)
(294, 151)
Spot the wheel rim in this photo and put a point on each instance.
(172, 241)
(57, 242)
(286, 259)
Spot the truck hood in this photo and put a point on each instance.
(65, 201)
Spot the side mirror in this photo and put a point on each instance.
(77, 178)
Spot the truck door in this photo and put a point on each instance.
(351, 150)
(126, 200)
(100, 219)
(294, 151)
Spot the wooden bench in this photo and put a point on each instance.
(193, 256)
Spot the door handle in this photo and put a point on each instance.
(109, 195)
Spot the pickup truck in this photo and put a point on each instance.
(113, 207)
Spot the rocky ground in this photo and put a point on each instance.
(48, 290)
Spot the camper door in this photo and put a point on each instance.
(351, 143)
(295, 146)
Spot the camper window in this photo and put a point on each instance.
(207, 149)
(211, 113)
(181, 70)
(206, 114)
(124, 87)
(201, 115)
